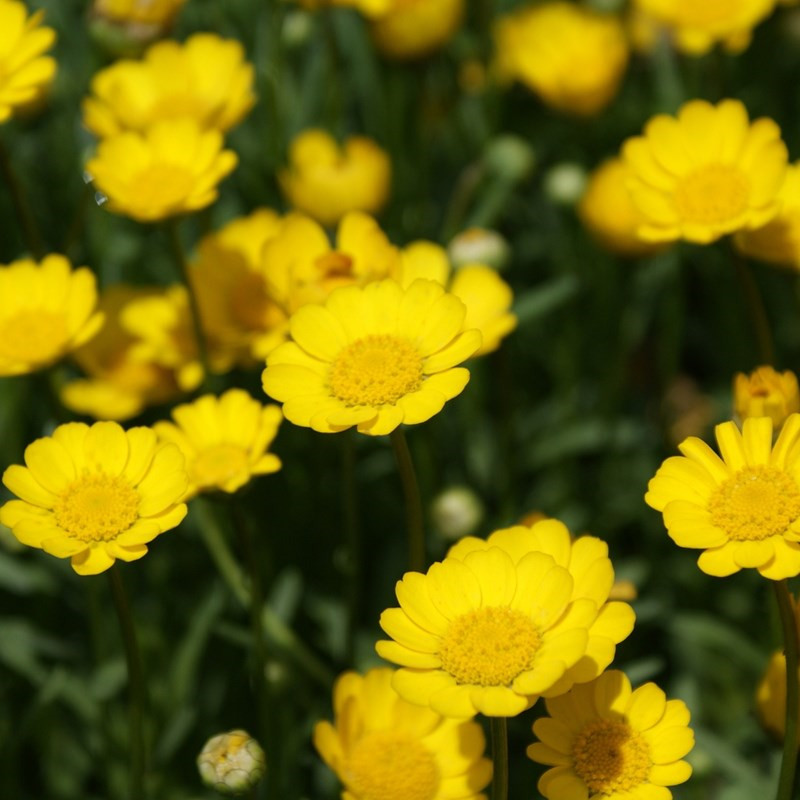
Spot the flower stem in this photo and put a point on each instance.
(791, 647)
(30, 231)
(136, 683)
(499, 726)
(758, 311)
(352, 542)
(417, 559)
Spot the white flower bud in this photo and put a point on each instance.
(231, 763)
(565, 183)
(457, 512)
(479, 246)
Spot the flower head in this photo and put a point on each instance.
(379, 745)
(766, 393)
(374, 357)
(232, 762)
(742, 510)
(705, 173)
(47, 309)
(327, 181)
(95, 494)
(605, 741)
(410, 29)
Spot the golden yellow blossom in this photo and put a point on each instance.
(766, 393)
(410, 29)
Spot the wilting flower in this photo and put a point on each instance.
(95, 494)
(409, 29)
(706, 172)
(766, 393)
(231, 763)
(380, 746)
(605, 741)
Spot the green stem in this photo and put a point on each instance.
(417, 559)
(791, 647)
(499, 726)
(136, 684)
(30, 231)
(758, 311)
(352, 542)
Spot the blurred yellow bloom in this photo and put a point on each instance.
(705, 173)
(224, 440)
(410, 29)
(608, 212)
(573, 58)
(25, 72)
(698, 26)
(47, 309)
(326, 181)
(172, 168)
(368, 8)
(766, 393)
(380, 746)
(205, 79)
(95, 494)
(153, 12)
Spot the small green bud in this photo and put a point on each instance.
(457, 512)
(510, 158)
(231, 763)
(565, 183)
(479, 246)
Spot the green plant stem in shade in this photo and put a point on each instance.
(136, 684)
(353, 564)
(417, 559)
(790, 648)
(499, 727)
(757, 310)
(30, 231)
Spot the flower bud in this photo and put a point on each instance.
(457, 512)
(479, 246)
(766, 393)
(510, 158)
(231, 763)
(565, 183)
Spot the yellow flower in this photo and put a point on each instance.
(573, 58)
(224, 440)
(152, 12)
(608, 212)
(47, 309)
(742, 510)
(172, 168)
(766, 393)
(326, 181)
(25, 73)
(697, 27)
(370, 8)
(380, 746)
(206, 79)
(410, 29)
(706, 172)
(375, 357)
(605, 741)
(95, 494)
(502, 622)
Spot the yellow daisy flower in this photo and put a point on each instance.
(409, 29)
(47, 309)
(25, 72)
(95, 494)
(380, 746)
(706, 172)
(149, 12)
(374, 357)
(172, 168)
(500, 623)
(326, 181)
(605, 741)
(224, 440)
(206, 79)
(742, 510)
(766, 393)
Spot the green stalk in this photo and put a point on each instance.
(791, 647)
(30, 231)
(499, 726)
(352, 542)
(757, 309)
(417, 559)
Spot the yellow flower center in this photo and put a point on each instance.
(489, 646)
(609, 756)
(701, 14)
(161, 185)
(756, 503)
(713, 194)
(97, 507)
(216, 465)
(33, 336)
(391, 766)
(376, 370)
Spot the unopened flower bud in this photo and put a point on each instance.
(479, 246)
(232, 763)
(565, 183)
(766, 393)
(457, 512)
(510, 158)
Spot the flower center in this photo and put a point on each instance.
(712, 194)
(391, 766)
(97, 508)
(334, 265)
(217, 464)
(756, 503)
(33, 336)
(608, 756)
(376, 370)
(489, 646)
(160, 185)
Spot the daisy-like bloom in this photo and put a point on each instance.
(172, 168)
(705, 173)
(697, 27)
(766, 393)
(95, 494)
(374, 357)
(606, 742)
(380, 746)
(224, 440)
(149, 12)
(501, 622)
(410, 29)
(573, 58)
(25, 72)
(742, 510)
(206, 79)
(326, 181)
(47, 309)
